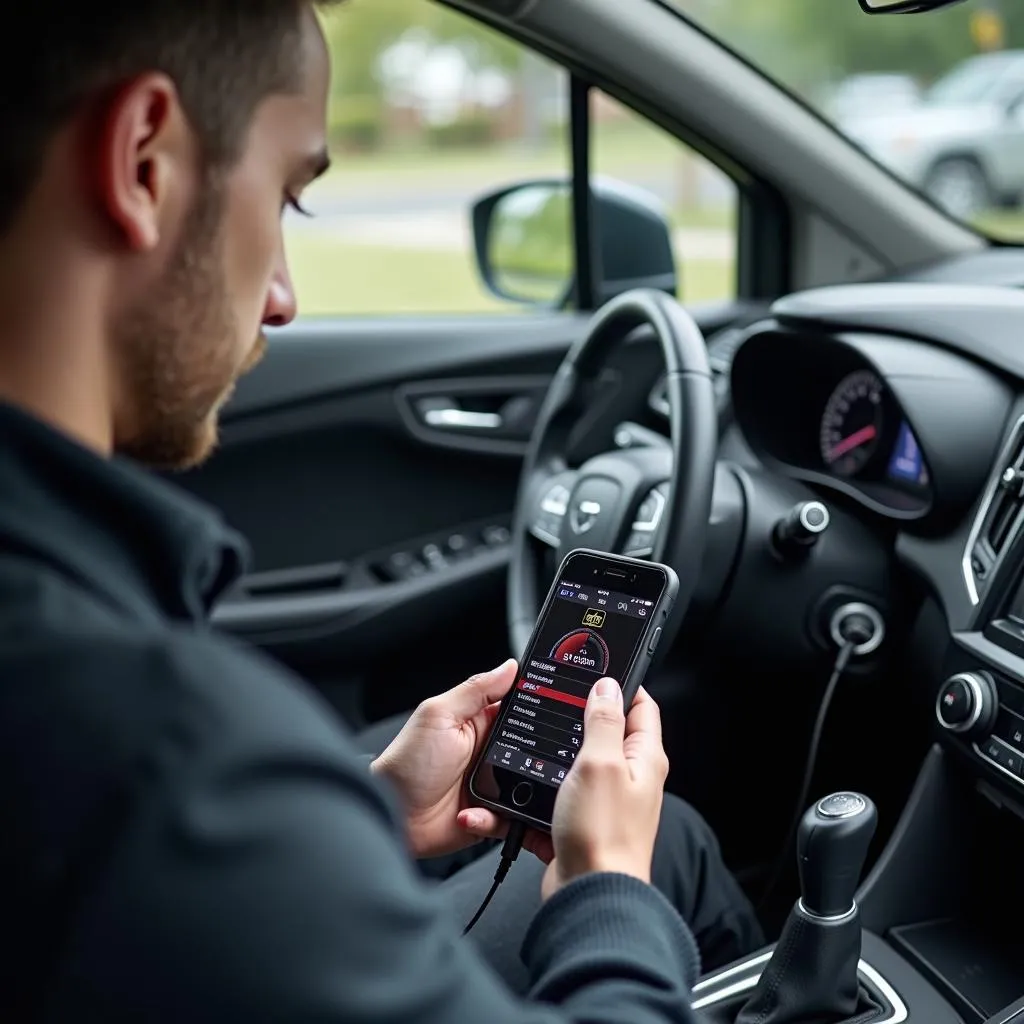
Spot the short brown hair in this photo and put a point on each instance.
(224, 56)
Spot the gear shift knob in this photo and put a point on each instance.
(832, 845)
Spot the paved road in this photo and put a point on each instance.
(433, 225)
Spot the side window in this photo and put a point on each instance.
(700, 201)
(429, 110)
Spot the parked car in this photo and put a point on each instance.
(868, 95)
(963, 145)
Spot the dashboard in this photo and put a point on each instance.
(843, 426)
(903, 406)
(893, 413)
(888, 420)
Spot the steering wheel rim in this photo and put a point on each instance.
(682, 472)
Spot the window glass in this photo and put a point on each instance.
(429, 110)
(698, 199)
(937, 100)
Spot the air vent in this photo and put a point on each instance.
(1007, 502)
(999, 517)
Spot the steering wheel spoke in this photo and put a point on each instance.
(643, 534)
(553, 492)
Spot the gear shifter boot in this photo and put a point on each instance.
(812, 975)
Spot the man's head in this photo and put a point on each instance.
(149, 150)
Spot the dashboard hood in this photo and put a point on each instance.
(983, 322)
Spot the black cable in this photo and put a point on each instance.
(838, 668)
(509, 851)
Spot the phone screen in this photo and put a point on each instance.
(592, 626)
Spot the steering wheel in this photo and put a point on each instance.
(651, 502)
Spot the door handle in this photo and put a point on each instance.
(494, 415)
(463, 419)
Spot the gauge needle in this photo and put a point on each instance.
(855, 440)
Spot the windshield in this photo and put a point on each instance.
(937, 98)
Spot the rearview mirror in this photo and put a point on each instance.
(525, 242)
(904, 6)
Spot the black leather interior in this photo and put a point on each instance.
(812, 976)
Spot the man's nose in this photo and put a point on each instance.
(281, 307)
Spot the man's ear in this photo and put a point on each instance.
(142, 141)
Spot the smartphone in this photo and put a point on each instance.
(603, 616)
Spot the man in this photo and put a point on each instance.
(188, 834)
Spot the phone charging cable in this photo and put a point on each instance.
(857, 631)
(509, 851)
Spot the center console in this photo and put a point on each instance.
(947, 894)
(900, 991)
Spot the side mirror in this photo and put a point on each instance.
(904, 6)
(524, 241)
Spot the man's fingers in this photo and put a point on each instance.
(604, 722)
(476, 693)
(540, 845)
(484, 824)
(644, 716)
(643, 746)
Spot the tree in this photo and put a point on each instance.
(361, 31)
(808, 43)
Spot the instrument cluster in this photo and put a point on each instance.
(823, 410)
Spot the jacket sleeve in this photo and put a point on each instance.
(260, 876)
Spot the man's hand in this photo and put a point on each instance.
(428, 760)
(608, 808)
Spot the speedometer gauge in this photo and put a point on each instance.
(852, 423)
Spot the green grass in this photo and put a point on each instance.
(339, 278)
(705, 217)
(344, 279)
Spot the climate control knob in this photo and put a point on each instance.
(967, 704)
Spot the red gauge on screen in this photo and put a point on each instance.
(582, 648)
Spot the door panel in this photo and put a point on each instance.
(379, 538)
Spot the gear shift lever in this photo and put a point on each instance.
(812, 975)
(831, 845)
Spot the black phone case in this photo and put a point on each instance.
(630, 684)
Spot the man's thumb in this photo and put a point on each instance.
(480, 691)
(604, 721)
